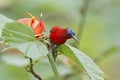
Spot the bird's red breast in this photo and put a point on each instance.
(58, 35)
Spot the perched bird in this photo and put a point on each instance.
(59, 35)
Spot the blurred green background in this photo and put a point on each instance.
(100, 37)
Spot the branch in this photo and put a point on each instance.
(83, 12)
(52, 63)
(105, 54)
(53, 66)
(30, 69)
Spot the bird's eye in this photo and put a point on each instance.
(68, 34)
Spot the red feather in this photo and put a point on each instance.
(58, 35)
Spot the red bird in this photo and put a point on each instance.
(59, 35)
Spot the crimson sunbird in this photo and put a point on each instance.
(58, 36)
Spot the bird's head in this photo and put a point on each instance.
(71, 34)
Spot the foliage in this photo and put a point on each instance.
(99, 39)
(22, 37)
(79, 57)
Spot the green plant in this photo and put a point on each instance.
(22, 38)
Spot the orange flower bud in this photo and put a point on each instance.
(37, 26)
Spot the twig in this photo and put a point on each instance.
(30, 69)
(83, 12)
(105, 54)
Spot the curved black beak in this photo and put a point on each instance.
(74, 37)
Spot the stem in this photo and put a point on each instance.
(31, 70)
(52, 63)
(105, 54)
(83, 12)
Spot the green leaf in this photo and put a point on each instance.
(23, 38)
(79, 57)
(12, 56)
(10, 72)
(15, 59)
(43, 69)
(2, 47)
(3, 21)
(15, 33)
